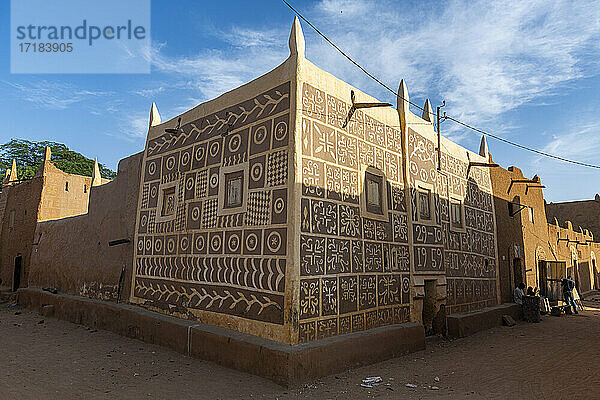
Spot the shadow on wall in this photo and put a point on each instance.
(360, 240)
(73, 255)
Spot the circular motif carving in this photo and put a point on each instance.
(256, 172)
(196, 214)
(279, 205)
(214, 180)
(234, 143)
(234, 242)
(170, 164)
(215, 243)
(152, 168)
(405, 285)
(158, 245)
(281, 130)
(153, 191)
(200, 243)
(141, 245)
(189, 184)
(260, 134)
(274, 241)
(251, 241)
(199, 153)
(184, 243)
(185, 158)
(144, 220)
(170, 245)
(214, 148)
(148, 244)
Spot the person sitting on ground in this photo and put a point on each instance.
(568, 285)
(530, 291)
(518, 293)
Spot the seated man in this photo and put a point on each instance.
(518, 293)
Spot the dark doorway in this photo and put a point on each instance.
(429, 306)
(517, 272)
(17, 273)
(543, 278)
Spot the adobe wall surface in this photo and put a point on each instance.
(584, 213)
(354, 264)
(23, 199)
(64, 195)
(362, 269)
(522, 243)
(72, 254)
(577, 248)
(224, 266)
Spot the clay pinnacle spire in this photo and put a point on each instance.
(427, 111)
(96, 178)
(154, 115)
(402, 104)
(483, 147)
(297, 43)
(13, 171)
(47, 154)
(6, 176)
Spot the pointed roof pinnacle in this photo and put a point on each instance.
(402, 104)
(96, 177)
(483, 147)
(47, 154)
(296, 42)
(154, 115)
(427, 111)
(13, 171)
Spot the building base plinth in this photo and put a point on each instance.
(287, 365)
(466, 324)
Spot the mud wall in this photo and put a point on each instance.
(73, 255)
(16, 239)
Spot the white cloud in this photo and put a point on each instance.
(581, 143)
(483, 58)
(53, 95)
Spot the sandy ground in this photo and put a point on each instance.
(44, 358)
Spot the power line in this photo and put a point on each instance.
(422, 109)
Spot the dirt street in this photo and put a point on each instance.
(43, 358)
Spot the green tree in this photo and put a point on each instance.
(30, 155)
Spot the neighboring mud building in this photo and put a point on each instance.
(50, 194)
(584, 213)
(532, 247)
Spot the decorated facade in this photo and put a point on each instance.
(282, 210)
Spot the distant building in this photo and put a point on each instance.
(50, 194)
(585, 213)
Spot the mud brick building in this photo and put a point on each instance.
(532, 247)
(50, 194)
(584, 213)
(279, 210)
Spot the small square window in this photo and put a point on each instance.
(424, 204)
(234, 189)
(168, 204)
(374, 193)
(456, 214)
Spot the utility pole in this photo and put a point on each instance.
(439, 134)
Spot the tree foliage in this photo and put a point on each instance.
(30, 155)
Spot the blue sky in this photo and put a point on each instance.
(527, 71)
